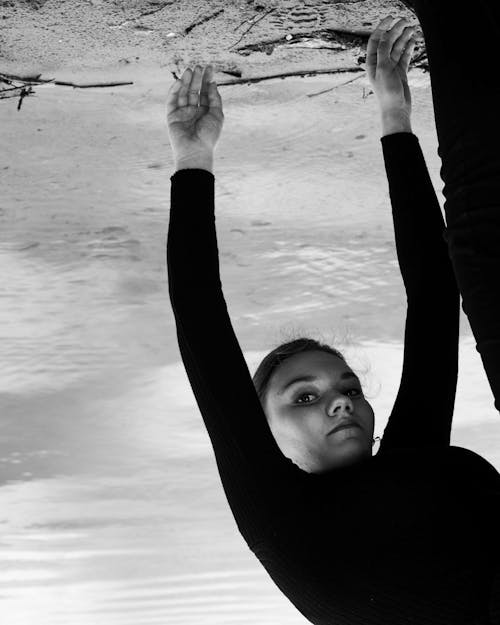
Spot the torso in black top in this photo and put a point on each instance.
(432, 549)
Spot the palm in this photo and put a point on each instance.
(193, 127)
(395, 85)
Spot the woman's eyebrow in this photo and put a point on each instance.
(309, 378)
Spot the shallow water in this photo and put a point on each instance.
(112, 508)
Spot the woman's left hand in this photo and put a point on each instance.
(194, 129)
(388, 56)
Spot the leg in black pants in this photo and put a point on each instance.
(462, 48)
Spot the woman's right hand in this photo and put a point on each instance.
(388, 56)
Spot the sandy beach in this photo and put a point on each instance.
(243, 40)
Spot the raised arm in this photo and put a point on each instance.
(257, 478)
(423, 411)
(422, 415)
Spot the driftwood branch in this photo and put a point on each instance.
(26, 80)
(97, 84)
(417, 62)
(26, 87)
(29, 80)
(305, 72)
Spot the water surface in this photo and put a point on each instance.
(112, 507)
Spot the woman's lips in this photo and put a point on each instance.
(344, 426)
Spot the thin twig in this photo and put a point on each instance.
(202, 21)
(340, 70)
(5, 93)
(137, 17)
(26, 91)
(99, 84)
(256, 21)
(27, 80)
(311, 95)
(8, 78)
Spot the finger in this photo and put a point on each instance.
(401, 44)
(407, 54)
(210, 96)
(208, 75)
(388, 39)
(373, 42)
(182, 97)
(382, 26)
(173, 96)
(215, 101)
(195, 86)
(385, 23)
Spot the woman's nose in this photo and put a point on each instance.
(341, 404)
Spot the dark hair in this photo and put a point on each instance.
(279, 354)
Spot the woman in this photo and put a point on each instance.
(409, 535)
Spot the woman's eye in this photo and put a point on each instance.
(307, 394)
(302, 395)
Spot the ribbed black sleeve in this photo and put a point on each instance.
(256, 477)
(407, 536)
(433, 302)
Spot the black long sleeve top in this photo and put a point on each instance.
(409, 535)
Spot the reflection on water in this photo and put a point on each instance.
(112, 508)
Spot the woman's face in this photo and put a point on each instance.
(302, 415)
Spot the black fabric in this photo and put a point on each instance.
(466, 113)
(419, 520)
(422, 517)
